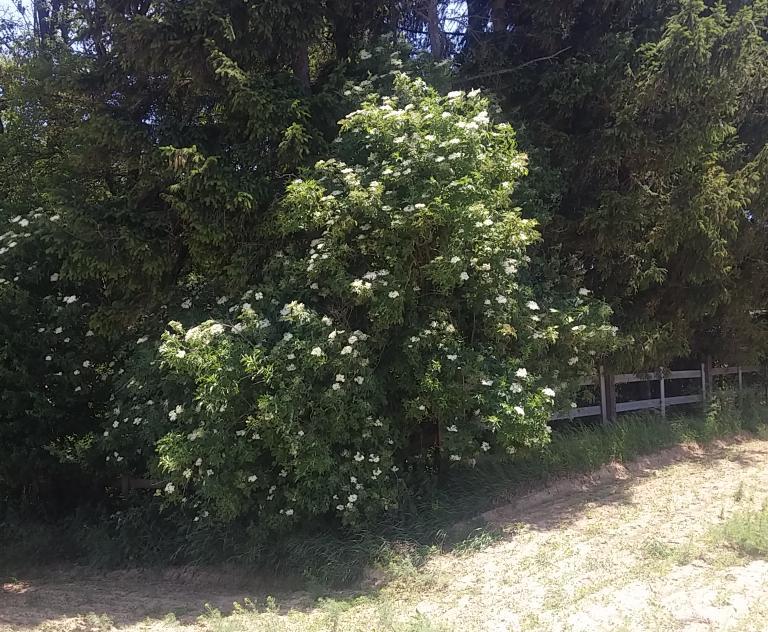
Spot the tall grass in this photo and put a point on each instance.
(437, 517)
(747, 532)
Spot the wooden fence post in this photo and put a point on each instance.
(710, 379)
(741, 381)
(610, 397)
(703, 384)
(603, 398)
(662, 395)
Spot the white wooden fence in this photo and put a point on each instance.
(608, 406)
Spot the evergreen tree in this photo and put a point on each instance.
(645, 115)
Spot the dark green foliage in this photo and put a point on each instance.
(143, 144)
(647, 113)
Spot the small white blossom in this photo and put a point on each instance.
(521, 372)
(532, 305)
(485, 446)
(394, 294)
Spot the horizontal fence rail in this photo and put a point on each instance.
(608, 406)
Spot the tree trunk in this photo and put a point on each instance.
(478, 14)
(42, 19)
(499, 16)
(300, 67)
(435, 32)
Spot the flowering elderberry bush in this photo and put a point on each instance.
(400, 326)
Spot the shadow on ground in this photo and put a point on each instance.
(84, 599)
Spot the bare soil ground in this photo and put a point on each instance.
(627, 548)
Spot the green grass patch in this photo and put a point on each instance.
(439, 517)
(746, 532)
